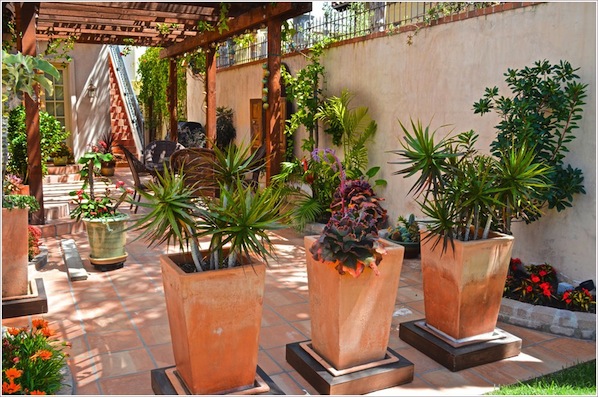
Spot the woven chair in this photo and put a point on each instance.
(196, 165)
(138, 170)
(157, 154)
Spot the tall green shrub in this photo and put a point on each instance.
(544, 111)
(52, 134)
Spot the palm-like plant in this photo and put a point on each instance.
(464, 193)
(240, 218)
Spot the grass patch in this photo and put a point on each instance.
(577, 380)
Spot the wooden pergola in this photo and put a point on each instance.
(138, 24)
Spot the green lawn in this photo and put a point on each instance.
(577, 380)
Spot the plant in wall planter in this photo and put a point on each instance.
(106, 226)
(353, 279)
(214, 296)
(15, 249)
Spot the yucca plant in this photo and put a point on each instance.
(240, 218)
(466, 194)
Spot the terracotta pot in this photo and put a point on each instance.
(215, 319)
(23, 190)
(463, 287)
(107, 238)
(14, 252)
(108, 168)
(351, 317)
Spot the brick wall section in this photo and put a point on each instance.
(120, 124)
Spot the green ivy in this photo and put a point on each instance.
(12, 201)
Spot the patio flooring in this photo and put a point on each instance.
(117, 324)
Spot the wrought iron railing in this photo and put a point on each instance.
(348, 20)
(129, 97)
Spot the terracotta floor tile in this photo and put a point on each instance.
(528, 336)
(409, 294)
(278, 354)
(93, 292)
(114, 341)
(140, 302)
(572, 350)
(270, 317)
(541, 360)
(162, 354)
(147, 317)
(282, 298)
(294, 312)
(279, 335)
(304, 327)
(90, 388)
(97, 322)
(417, 387)
(134, 384)
(267, 364)
(423, 363)
(124, 363)
(417, 306)
(155, 334)
(456, 383)
(288, 384)
(404, 313)
(503, 372)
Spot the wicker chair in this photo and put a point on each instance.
(196, 167)
(157, 154)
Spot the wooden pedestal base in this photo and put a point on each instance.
(455, 357)
(35, 302)
(165, 381)
(392, 371)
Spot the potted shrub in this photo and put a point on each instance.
(105, 225)
(104, 146)
(348, 270)
(15, 247)
(405, 233)
(213, 296)
(469, 199)
(61, 156)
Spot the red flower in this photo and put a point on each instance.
(515, 261)
(13, 373)
(546, 292)
(39, 323)
(529, 288)
(535, 279)
(10, 388)
(305, 166)
(542, 273)
(566, 297)
(586, 292)
(37, 392)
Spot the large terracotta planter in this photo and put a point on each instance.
(215, 319)
(351, 317)
(463, 287)
(107, 238)
(14, 252)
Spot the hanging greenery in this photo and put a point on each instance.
(153, 75)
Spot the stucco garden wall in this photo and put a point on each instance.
(437, 79)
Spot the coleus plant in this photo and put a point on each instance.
(350, 238)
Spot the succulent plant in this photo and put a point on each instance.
(406, 230)
(350, 238)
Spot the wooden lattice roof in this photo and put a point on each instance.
(138, 23)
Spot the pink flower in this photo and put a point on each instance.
(120, 184)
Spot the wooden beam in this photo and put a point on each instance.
(249, 20)
(26, 26)
(172, 99)
(211, 97)
(273, 113)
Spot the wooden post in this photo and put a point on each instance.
(25, 16)
(210, 97)
(273, 112)
(172, 100)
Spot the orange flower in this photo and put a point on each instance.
(39, 323)
(37, 392)
(47, 332)
(10, 388)
(14, 331)
(13, 373)
(43, 354)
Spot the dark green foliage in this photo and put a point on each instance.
(225, 129)
(545, 108)
(406, 230)
(11, 201)
(52, 135)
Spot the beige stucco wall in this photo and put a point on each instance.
(437, 79)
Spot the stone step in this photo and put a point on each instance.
(64, 169)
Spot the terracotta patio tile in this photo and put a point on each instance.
(287, 384)
(278, 354)
(114, 341)
(162, 354)
(134, 384)
(417, 387)
(528, 336)
(572, 350)
(106, 321)
(147, 317)
(279, 335)
(84, 368)
(456, 383)
(423, 363)
(135, 303)
(124, 363)
(282, 297)
(90, 388)
(270, 317)
(417, 306)
(155, 334)
(409, 294)
(294, 312)
(267, 364)
(504, 372)
(304, 327)
(94, 292)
